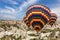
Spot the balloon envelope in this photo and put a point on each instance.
(53, 19)
(37, 16)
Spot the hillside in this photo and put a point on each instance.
(17, 30)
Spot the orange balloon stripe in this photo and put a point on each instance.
(39, 20)
(37, 13)
(38, 25)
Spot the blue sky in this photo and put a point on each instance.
(16, 9)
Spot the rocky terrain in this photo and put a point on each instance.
(17, 30)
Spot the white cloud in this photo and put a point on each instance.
(25, 4)
(10, 2)
(32, 1)
(12, 10)
(8, 10)
(8, 13)
(29, 2)
(56, 8)
(19, 9)
(13, 2)
(7, 17)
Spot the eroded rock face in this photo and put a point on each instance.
(20, 32)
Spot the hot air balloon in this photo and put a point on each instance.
(37, 16)
(53, 19)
